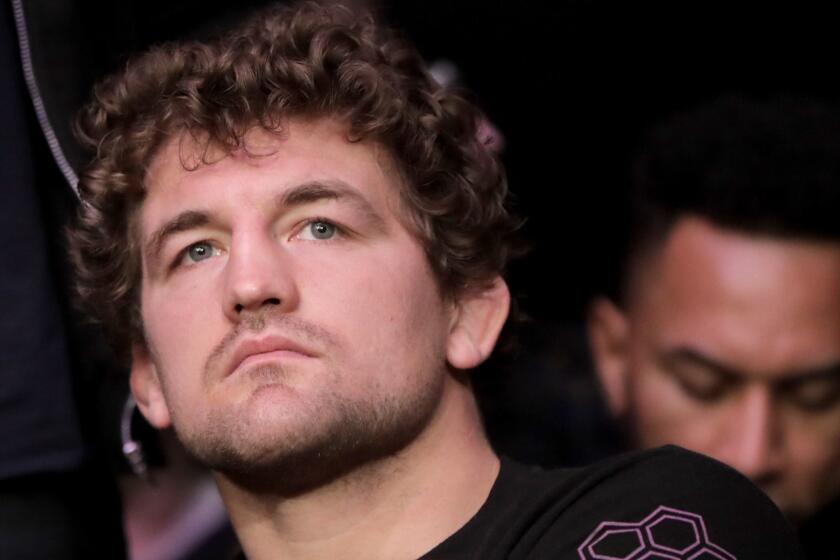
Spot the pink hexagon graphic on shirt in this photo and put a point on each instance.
(613, 544)
(710, 552)
(666, 534)
(679, 532)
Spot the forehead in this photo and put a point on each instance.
(185, 175)
(764, 304)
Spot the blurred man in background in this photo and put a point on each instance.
(725, 334)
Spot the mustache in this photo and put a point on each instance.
(295, 328)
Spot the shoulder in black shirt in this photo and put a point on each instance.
(666, 504)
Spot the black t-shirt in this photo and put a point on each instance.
(666, 504)
(819, 533)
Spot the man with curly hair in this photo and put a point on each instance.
(297, 239)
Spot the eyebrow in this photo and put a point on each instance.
(730, 374)
(301, 195)
(185, 221)
(338, 190)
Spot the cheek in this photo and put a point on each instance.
(167, 317)
(387, 307)
(815, 443)
(182, 303)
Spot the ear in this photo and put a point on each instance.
(608, 338)
(476, 324)
(145, 386)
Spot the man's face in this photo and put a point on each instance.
(730, 346)
(292, 320)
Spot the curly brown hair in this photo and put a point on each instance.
(309, 60)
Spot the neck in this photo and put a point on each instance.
(397, 507)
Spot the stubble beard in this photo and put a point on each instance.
(321, 438)
(331, 439)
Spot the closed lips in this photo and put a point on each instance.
(251, 350)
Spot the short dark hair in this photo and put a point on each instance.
(768, 167)
(308, 60)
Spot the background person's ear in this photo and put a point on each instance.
(145, 386)
(608, 339)
(478, 319)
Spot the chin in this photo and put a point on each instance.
(287, 446)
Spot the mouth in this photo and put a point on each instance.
(263, 350)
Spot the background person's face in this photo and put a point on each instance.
(301, 253)
(732, 348)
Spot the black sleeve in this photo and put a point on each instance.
(669, 504)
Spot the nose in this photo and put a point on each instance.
(755, 438)
(258, 275)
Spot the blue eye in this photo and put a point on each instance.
(321, 230)
(199, 251)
